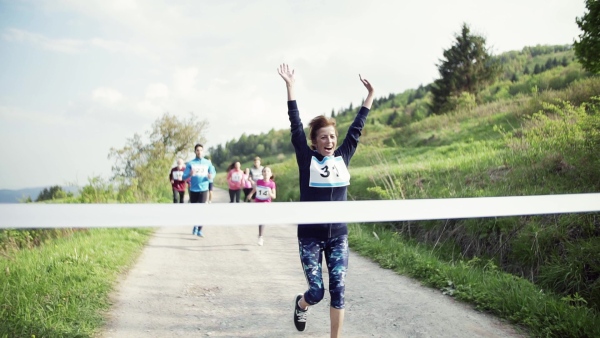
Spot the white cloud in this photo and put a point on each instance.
(184, 82)
(158, 91)
(57, 45)
(76, 46)
(10, 115)
(106, 95)
(149, 109)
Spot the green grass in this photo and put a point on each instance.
(61, 288)
(479, 282)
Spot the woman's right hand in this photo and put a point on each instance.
(287, 74)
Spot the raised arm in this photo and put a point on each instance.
(369, 100)
(288, 76)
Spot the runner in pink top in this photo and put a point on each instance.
(266, 191)
(246, 184)
(234, 177)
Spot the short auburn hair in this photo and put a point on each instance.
(317, 123)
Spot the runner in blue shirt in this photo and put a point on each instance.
(201, 172)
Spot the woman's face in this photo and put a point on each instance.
(326, 141)
(237, 165)
(267, 173)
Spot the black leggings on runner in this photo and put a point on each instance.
(198, 196)
(246, 193)
(234, 195)
(179, 194)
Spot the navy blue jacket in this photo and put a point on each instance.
(304, 155)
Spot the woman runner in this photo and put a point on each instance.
(247, 184)
(264, 191)
(324, 176)
(234, 180)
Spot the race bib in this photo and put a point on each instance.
(178, 175)
(262, 193)
(330, 172)
(200, 170)
(236, 177)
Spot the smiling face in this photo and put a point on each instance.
(325, 141)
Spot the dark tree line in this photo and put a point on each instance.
(52, 193)
(247, 147)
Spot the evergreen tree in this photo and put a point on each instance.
(392, 118)
(587, 49)
(411, 98)
(526, 71)
(467, 67)
(54, 192)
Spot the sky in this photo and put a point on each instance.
(78, 78)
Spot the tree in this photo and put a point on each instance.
(467, 67)
(54, 192)
(144, 166)
(587, 49)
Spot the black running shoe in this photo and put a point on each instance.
(299, 314)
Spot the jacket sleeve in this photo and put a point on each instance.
(298, 136)
(350, 143)
(187, 173)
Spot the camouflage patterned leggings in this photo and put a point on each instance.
(336, 257)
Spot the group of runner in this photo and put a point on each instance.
(198, 174)
(323, 176)
(257, 184)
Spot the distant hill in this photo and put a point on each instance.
(14, 196)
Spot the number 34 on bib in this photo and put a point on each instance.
(329, 172)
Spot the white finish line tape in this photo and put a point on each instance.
(151, 215)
